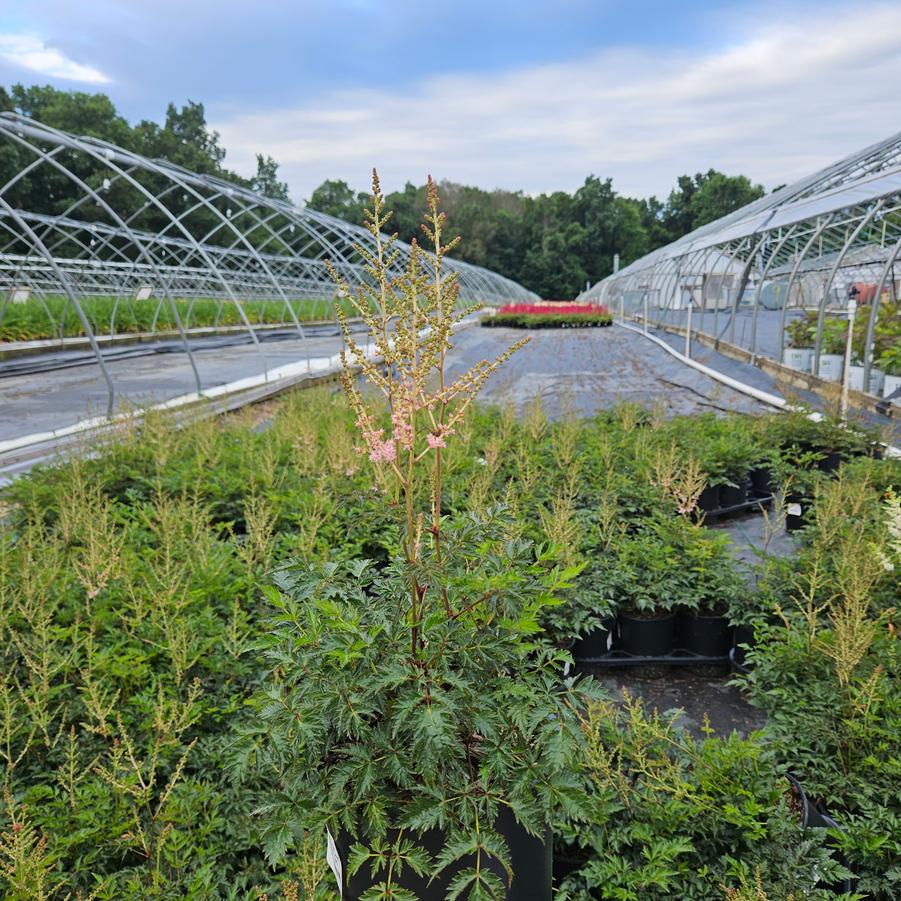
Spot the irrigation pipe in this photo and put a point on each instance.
(780, 403)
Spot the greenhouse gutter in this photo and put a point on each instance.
(19, 454)
(773, 400)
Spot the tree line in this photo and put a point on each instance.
(553, 244)
(184, 138)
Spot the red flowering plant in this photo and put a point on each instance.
(549, 315)
(416, 710)
(552, 309)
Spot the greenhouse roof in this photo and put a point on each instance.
(868, 175)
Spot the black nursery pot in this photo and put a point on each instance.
(705, 635)
(743, 635)
(646, 637)
(709, 499)
(564, 865)
(813, 817)
(793, 520)
(830, 462)
(531, 860)
(732, 496)
(595, 643)
(762, 481)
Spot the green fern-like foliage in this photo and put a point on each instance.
(383, 747)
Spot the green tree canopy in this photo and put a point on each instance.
(335, 198)
(184, 139)
(555, 243)
(267, 182)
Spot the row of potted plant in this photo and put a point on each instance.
(549, 314)
(885, 371)
(548, 320)
(672, 584)
(746, 460)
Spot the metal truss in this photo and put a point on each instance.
(113, 224)
(810, 244)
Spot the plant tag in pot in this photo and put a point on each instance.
(334, 861)
(793, 509)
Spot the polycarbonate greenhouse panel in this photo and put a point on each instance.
(828, 237)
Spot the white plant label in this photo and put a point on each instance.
(333, 858)
(793, 509)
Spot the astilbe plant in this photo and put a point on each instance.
(416, 710)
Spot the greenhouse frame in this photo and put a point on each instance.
(113, 224)
(802, 251)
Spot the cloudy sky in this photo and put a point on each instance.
(520, 94)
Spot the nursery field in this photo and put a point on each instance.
(142, 642)
(55, 316)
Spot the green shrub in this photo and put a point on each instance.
(665, 565)
(674, 817)
(55, 316)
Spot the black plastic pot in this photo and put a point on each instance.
(830, 462)
(735, 664)
(762, 481)
(709, 636)
(646, 637)
(531, 860)
(814, 816)
(564, 864)
(709, 499)
(734, 495)
(794, 520)
(743, 635)
(595, 643)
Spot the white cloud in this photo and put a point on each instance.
(30, 52)
(784, 100)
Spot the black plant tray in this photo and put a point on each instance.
(677, 658)
(755, 503)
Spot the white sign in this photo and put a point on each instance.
(144, 292)
(333, 858)
(793, 509)
(20, 295)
